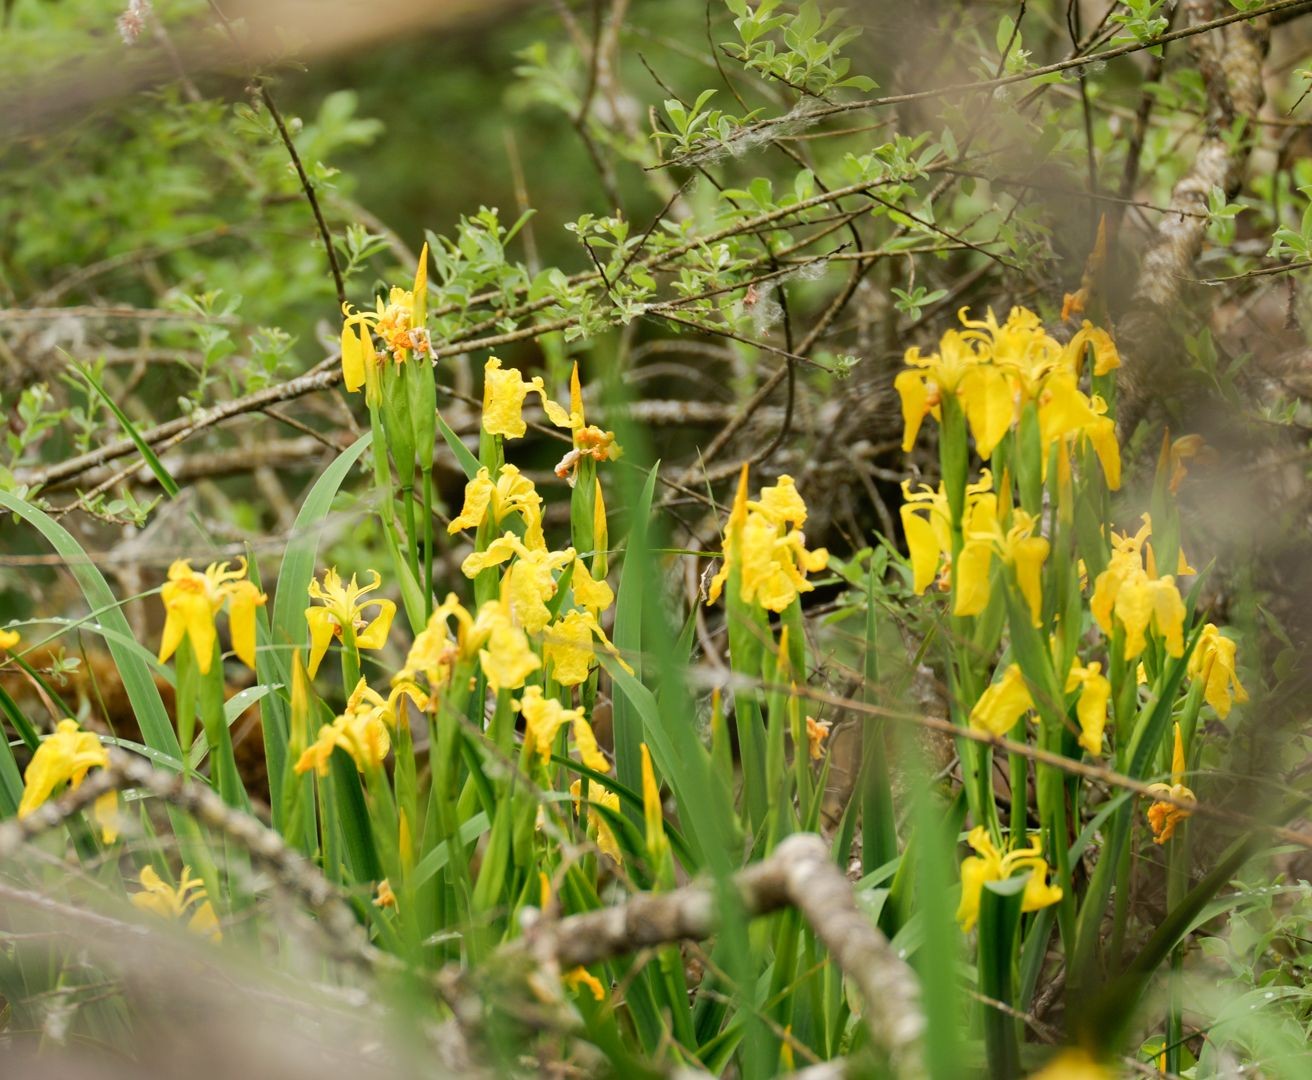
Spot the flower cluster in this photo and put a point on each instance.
(1011, 549)
(995, 371)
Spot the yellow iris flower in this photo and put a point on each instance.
(342, 606)
(529, 583)
(1164, 817)
(927, 525)
(65, 758)
(1017, 546)
(957, 369)
(506, 657)
(764, 541)
(1130, 592)
(1091, 709)
(582, 979)
(493, 638)
(989, 864)
(504, 391)
(567, 645)
(1067, 415)
(400, 324)
(993, 369)
(594, 595)
(435, 652)
(192, 601)
(1002, 704)
(361, 731)
(189, 898)
(513, 493)
(543, 719)
(1213, 661)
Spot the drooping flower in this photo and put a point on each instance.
(764, 542)
(385, 897)
(585, 744)
(504, 391)
(1164, 817)
(1091, 709)
(1106, 358)
(817, 731)
(590, 441)
(597, 823)
(1130, 592)
(361, 731)
(193, 600)
(188, 901)
(594, 595)
(9, 638)
(1067, 415)
(65, 758)
(989, 864)
(341, 607)
(1178, 454)
(513, 493)
(1002, 704)
(1213, 661)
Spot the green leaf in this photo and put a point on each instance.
(628, 638)
(468, 462)
(138, 682)
(156, 466)
(999, 925)
(300, 559)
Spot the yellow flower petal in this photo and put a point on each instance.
(1002, 704)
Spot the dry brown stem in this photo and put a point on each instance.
(800, 874)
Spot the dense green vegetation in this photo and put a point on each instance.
(655, 538)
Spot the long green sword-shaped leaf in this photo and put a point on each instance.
(286, 630)
(148, 455)
(628, 723)
(138, 682)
